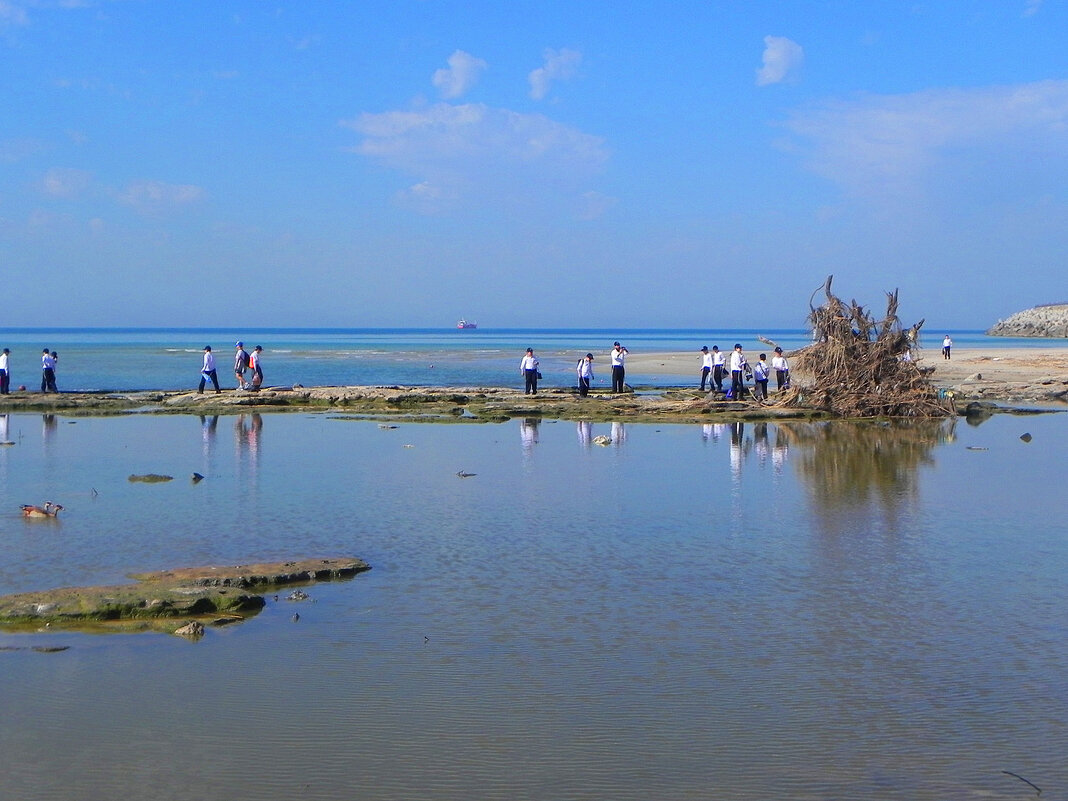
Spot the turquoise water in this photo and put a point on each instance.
(170, 359)
(734, 611)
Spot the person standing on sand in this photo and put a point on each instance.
(738, 365)
(947, 343)
(782, 370)
(706, 365)
(585, 374)
(208, 371)
(48, 372)
(241, 361)
(5, 376)
(717, 368)
(528, 367)
(255, 362)
(619, 373)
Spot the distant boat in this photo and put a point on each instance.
(466, 324)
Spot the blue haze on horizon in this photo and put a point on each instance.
(579, 165)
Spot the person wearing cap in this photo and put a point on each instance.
(208, 371)
(782, 370)
(760, 378)
(618, 355)
(241, 362)
(718, 363)
(706, 365)
(528, 367)
(255, 362)
(738, 365)
(585, 374)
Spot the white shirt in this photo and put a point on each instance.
(3, 361)
(761, 370)
(717, 358)
(529, 362)
(947, 341)
(737, 361)
(706, 360)
(779, 363)
(47, 362)
(585, 369)
(209, 362)
(618, 355)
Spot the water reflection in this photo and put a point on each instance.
(247, 428)
(528, 433)
(585, 433)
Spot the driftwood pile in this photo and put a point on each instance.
(859, 366)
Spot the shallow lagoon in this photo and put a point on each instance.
(823, 611)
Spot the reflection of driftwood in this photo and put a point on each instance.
(862, 367)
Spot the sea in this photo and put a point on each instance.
(126, 359)
(802, 610)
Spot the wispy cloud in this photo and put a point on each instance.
(782, 59)
(560, 65)
(1032, 7)
(12, 14)
(65, 182)
(879, 145)
(462, 73)
(157, 196)
(475, 153)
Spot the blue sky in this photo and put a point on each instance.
(549, 164)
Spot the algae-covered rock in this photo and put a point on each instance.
(151, 478)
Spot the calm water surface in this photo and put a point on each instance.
(745, 612)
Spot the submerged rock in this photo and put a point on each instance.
(151, 478)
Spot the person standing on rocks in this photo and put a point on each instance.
(255, 362)
(529, 369)
(48, 372)
(619, 373)
(947, 344)
(585, 374)
(718, 363)
(738, 365)
(241, 362)
(782, 370)
(208, 371)
(5, 374)
(706, 365)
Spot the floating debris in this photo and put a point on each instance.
(465, 474)
(1026, 437)
(151, 478)
(197, 478)
(48, 510)
(602, 440)
(297, 595)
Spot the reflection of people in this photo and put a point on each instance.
(528, 432)
(5, 376)
(706, 365)
(947, 343)
(619, 433)
(528, 367)
(585, 433)
(585, 374)
(619, 374)
(717, 368)
(782, 370)
(208, 371)
(48, 372)
(255, 362)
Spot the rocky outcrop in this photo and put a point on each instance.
(1041, 321)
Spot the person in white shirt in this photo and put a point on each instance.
(48, 372)
(208, 371)
(619, 373)
(782, 370)
(585, 374)
(718, 363)
(738, 365)
(760, 378)
(5, 376)
(255, 361)
(947, 343)
(528, 367)
(706, 365)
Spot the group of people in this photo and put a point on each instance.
(529, 369)
(244, 362)
(713, 372)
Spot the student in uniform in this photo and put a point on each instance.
(585, 374)
(528, 367)
(619, 373)
(782, 370)
(718, 363)
(207, 371)
(760, 378)
(738, 365)
(706, 365)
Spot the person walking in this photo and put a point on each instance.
(782, 370)
(48, 372)
(528, 367)
(706, 366)
(585, 374)
(207, 371)
(760, 378)
(947, 344)
(619, 373)
(241, 362)
(5, 375)
(738, 366)
(256, 363)
(718, 363)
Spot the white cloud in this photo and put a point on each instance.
(559, 65)
(782, 58)
(65, 182)
(157, 196)
(1032, 7)
(881, 145)
(11, 14)
(462, 74)
(475, 153)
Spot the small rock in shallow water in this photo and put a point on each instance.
(151, 478)
(1025, 437)
(192, 629)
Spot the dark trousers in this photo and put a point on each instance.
(532, 382)
(782, 378)
(945, 351)
(761, 389)
(204, 379)
(618, 374)
(584, 386)
(717, 377)
(737, 385)
(48, 380)
(5, 382)
(704, 376)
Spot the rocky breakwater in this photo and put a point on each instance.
(168, 600)
(1042, 321)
